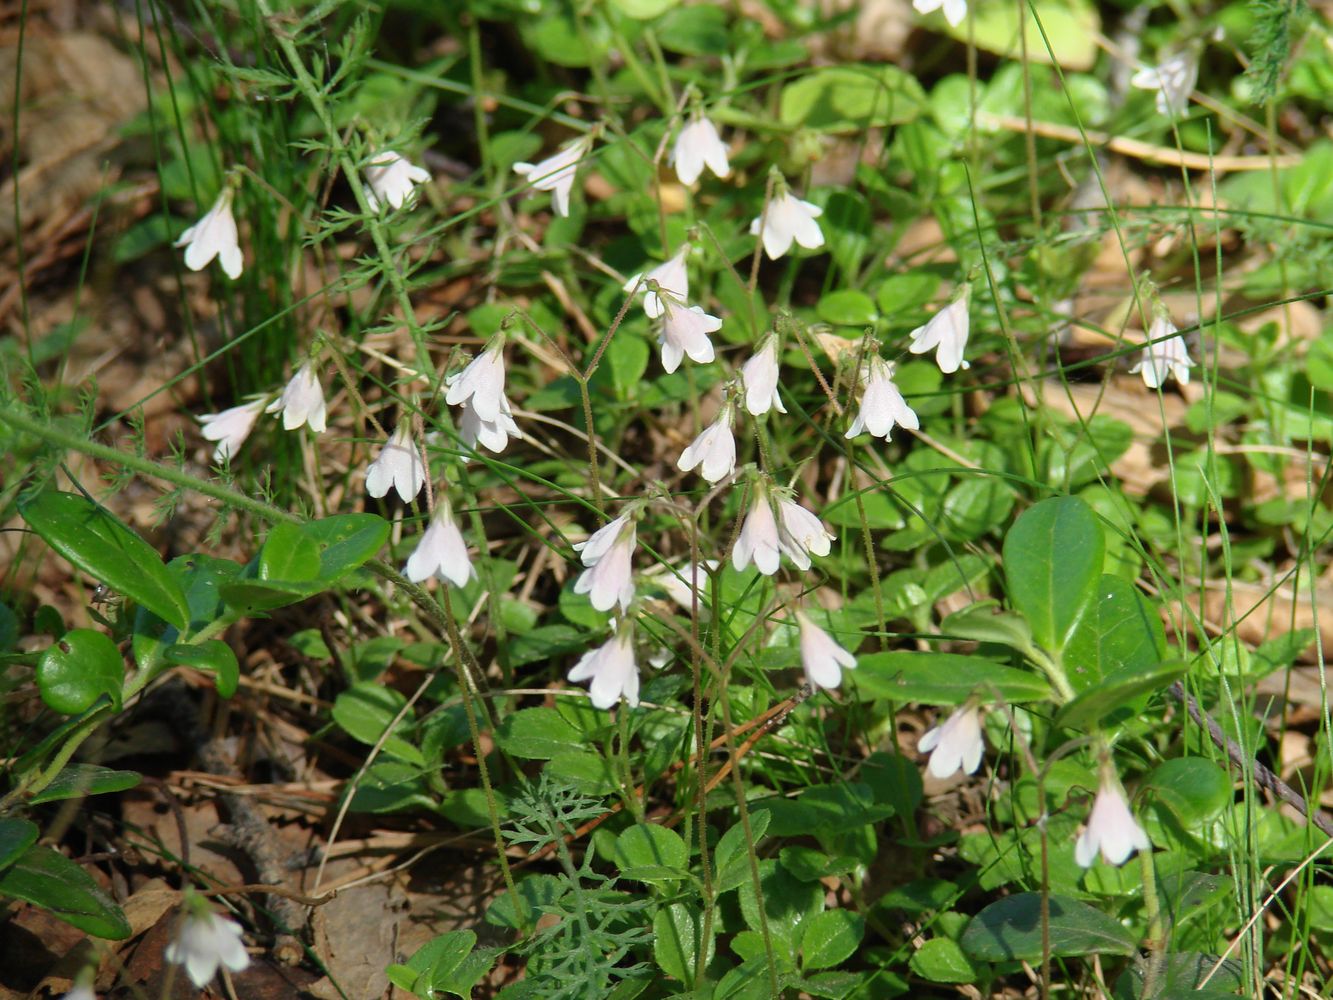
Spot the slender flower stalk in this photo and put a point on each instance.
(205, 941)
(955, 744)
(608, 555)
(946, 334)
(1165, 356)
(230, 428)
(697, 146)
(442, 551)
(302, 401)
(214, 235)
(1112, 829)
(612, 670)
(671, 277)
(398, 466)
(882, 405)
(393, 180)
(787, 220)
(759, 376)
(822, 657)
(714, 449)
(556, 173)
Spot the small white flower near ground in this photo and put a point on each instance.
(481, 384)
(230, 428)
(1112, 829)
(612, 670)
(442, 551)
(398, 466)
(801, 534)
(697, 146)
(882, 405)
(302, 401)
(671, 277)
(822, 657)
(759, 376)
(685, 333)
(205, 941)
(608, 555)
(946, 334)
(556, 173)
(1172, 81)
(788, 220)
(393, 180)
(714, 450)
(954, 10)
(493, 435)
(758, 539)
(956, 743)
(81, 991)
(1166, 356)
(214, 236)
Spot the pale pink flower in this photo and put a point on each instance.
(398, 466)
(788, 218)
(698, 145)
(1166, 355)
(882, 405)
(481, 384)
(954, 10)
(714, 449)
(608, 555)
(214, 236)
(393, 180)
(612, 670)
(205, 941)
(821, 656)
(954, 744)
(671, 277)
(230, 428)
(759, 376)
(442, 551)
(758, 540)
(946, 334)
(302, 401)
(801, 533)
(1112, 829)
(556, 173)
(685, 332)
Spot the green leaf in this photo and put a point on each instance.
(213, 655)
(288, 555)
(788, 903)
(56, 884)
(1120, 634)
(587, 770)
(941, 960)
(1095, 706)
(435, 960)
(248, 597)
(943, 678)
(846, 307)
(537, 734)
(983, 623)
(851, 98)
(16, 836)
(627, 359)
(731, 856)
(1071, 26)
(643, 10)
(831, 808)
(1193, 789)
(695, 31)
(95, 542)
(652, 853)
(365, 711)
(676, 932)
(830, 938)
(346, 542)
(1052, 564)
(1010, 930)
(79, 780)
(77, 669)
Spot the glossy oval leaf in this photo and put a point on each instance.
(830, 938)
(537, 734)
(16, 836)
(1193, 789)
(943, 678)
(1099, 704)
(1009, 930)
(676, 932)
(97, 543)
(346, 542)
(1052, 564)
(365, 711)
(288, 554)
(851, 98)
(215, 656)
(77, 669)
(652, 853)
(1070, 26)
(1119, 635)
(80, 780)
(50, 880)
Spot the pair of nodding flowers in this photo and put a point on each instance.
(956, 744)
(390, 180)
(300, 404)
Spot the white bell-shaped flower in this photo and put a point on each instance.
(788, 218)
(714, 450)
(758, 540)
(882, 405)
(393, 180)
(697, 146)
(1173, 82)
(441, 552)
(801, 534)
(481, 384)
(608, 555)
(230, 428)
(1112, 829)
(612, 670)
(946, 334)
(556, 173)
(1166, 355)
(205, 941)
(214, 236)
(493, 435)
(955, 743)
(680, 583)
(671, 277)
(954, 10)
(759, 376)
(302, 401)
(821, 656)
(685, 332)
(398, 466)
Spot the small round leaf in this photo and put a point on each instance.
(78, 669)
